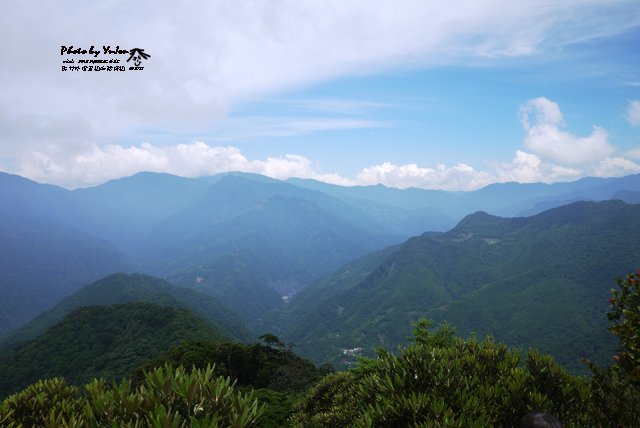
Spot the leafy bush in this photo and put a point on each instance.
(32, 407)
(616, 389)
(441, 381)
(467, 384)
(250, 366)
(169, 399)
(625, 304)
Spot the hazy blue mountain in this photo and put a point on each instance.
(41, 262)
(503, 199)
(628, 196)
(403, 221)
(279, 243)
(548, 204)
(145, 198)
(448, 202)
(122, 288)
(233, 194)
(247, 239)
(506, 198)
(589, 188)
(249, 175)
(243, 238)
(25, 198)
(538, 281)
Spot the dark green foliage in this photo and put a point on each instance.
(168, 398)
(270, 339)
(326, 369)
(442, 338)
(465, 383)
(597, 345)
(121, 288)
(255, 365)
(101, 341)
(625, 311)
(278, 377)
(279, 408)
(33, 406)
(614, 403)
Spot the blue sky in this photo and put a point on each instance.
(452, 96)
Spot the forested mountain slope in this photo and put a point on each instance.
(288, 316)
(122, 288)
(101, 341)
(535, 281)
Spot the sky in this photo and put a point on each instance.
(449, 95)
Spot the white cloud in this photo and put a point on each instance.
(96, 165)
(99, 164)
(633, 113)
(528, 168)
(459, 177)
(549, 142)
(615, 167)
(633, 153)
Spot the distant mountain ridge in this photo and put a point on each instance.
(145, 198)
(628, 196)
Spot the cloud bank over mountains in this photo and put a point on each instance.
(557, 156)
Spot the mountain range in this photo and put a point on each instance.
(325, 266)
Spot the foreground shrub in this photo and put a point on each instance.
(468, 384)
(465, 383)
(169, 398)
(625, 312)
